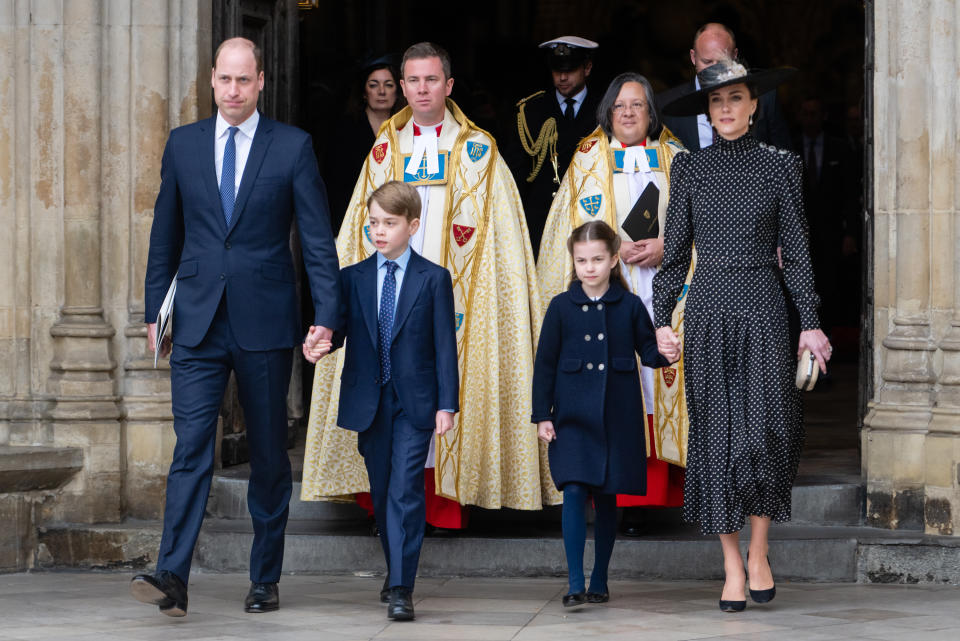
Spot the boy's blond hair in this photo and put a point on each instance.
(398, 199)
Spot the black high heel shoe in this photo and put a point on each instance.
(763, 596)
(733, 606)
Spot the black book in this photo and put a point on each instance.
(643, 221)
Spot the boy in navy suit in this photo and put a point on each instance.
(400, 382)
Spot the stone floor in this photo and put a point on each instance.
(97, 607)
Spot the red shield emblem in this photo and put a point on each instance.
(587, 145)
(462, 234)
(669, 375)
(380, 152)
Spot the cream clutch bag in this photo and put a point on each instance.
(808, 370)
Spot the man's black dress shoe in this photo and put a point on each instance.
(400, 607)
(163, 589)
(262, 597)
(385, 590)
(598, 597)
(574, 599)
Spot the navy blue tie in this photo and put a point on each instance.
(228, 184)
(388, 296)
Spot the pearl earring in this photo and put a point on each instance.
(751, 120)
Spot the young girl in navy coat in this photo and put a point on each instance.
(587, 401)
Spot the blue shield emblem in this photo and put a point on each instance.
(423, 176)
(366, 232)
(458, 320)
(653, 159)
(591, 204)
(476, 150)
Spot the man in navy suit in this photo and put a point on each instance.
(230, 187)
(400, 382)
(714, 42)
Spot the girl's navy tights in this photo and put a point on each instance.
(575, 497)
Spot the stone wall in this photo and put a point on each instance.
(911, 442)
(88, 91)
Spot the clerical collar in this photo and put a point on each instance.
(435, 128)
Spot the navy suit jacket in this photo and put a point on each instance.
(423, 351)
(250, 262)
(770, 127)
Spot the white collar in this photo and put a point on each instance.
(578, 98)
(248, 126)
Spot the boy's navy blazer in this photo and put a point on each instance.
(248, 263)
(423, 353)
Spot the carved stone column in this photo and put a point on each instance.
(85, 412)
(896, 426)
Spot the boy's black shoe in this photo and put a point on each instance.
(401, 604)
(262, 597)
(163, 589)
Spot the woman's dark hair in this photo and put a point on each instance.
(357, 101)
(605, 108)
(598, 230)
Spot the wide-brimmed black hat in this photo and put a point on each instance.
(723, 74)
(378, 61)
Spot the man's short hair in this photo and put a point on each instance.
(233, 42)
(709, 25)
(398, 199)
(427, 50)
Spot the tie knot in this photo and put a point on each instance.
(233, 131)
(570, 101)
(391, 267)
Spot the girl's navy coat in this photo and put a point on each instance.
(586, 380)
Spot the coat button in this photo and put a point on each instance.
(600, 367)
(227, 245)
(589, 365)
(587, 337)
(223, 276)
(584, 308)
(600, 336)
(599, 306)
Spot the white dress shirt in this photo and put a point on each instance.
(242, 139)
(577, 101)
(704, 128)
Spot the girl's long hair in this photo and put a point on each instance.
(598, 230)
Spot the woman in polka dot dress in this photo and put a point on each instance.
(739, 202)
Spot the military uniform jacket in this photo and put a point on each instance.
(537, 110)
(586, 380)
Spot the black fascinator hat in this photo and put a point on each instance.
(722, 74)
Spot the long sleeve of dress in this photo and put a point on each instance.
(797, 268)
(677, 244)
(545, 365)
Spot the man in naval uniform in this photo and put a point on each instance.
(550, 124)
(714, 42)
(472, 224)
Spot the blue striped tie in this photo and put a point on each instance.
(388, 295)
(228, 185)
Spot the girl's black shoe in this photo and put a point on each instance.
(598, 597)
(733, 606)
(574, 599)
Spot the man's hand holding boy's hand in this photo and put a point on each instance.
(318, 343)
(444, 422)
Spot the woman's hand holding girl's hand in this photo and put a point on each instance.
(545, 431)
(668, 343)
(818, 344)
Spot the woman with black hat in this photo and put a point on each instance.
(739, 202)
(374, 99)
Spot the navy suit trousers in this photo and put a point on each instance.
(198, 378)
(395, 452)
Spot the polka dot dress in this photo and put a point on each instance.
(736, 201)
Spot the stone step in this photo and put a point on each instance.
(798, 552)
(816, 503)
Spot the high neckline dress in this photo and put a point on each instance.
(736, 201)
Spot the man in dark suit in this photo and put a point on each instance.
(400, 381)
(551, 123)
(714, 42)
(230, 187)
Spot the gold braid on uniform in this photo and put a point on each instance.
(546, 142)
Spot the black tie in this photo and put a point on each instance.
(569, 113)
